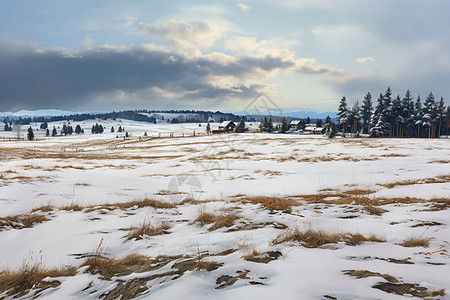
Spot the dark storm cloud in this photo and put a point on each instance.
(31, 78)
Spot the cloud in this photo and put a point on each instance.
(130, 22)
(244, 7)
(181, 34)
(33, 77)
(364, 60)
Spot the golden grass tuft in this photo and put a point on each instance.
(43, 208)
(205, 218)
(30, 276)
(225, 220)
(146, 202)
(72, 207)
(146, 229)
(110, 266)
(417, 242)
(272, 203)
(217, 220)
(311, 238)
(21, 221)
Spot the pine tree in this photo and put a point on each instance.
(54, 133)
(387, 116)
(112, 129)
(30, 134)
(263, 125)
(120, 128)
(366, 112)
(354, 118)
(343, 113)
(284, 127)
(430, 112)
(240, 127)
(441, 113)
(397, 119)
(78, 129)
(47, 132)
(64, 130)
(69, 129)
(408, 113)
(270, 125)
(208, 128)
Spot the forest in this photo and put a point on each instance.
(394, 117)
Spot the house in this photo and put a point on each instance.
(295, 124)
(314, 130)
(225, 126)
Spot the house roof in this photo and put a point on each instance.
(225, 123)
(295, 122)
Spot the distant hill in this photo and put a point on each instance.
(155, 116)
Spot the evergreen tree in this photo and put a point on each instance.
(387, 116)
(343, 113)
(120, 128)
(208, 128)
(263, 125)
(78, 129)
(54, 133)
(284, 127)
(64, 130)
(441, 114)
(30, 134)
(47, 132)
(397, 119)
(319, 123)
(354, 118)
(240, 127)
(366, 112)
(430, 114)
(100, 128)
(270, 125)
(69, 129)
(112, 129)
(407, 114)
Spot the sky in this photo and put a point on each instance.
(218, 55)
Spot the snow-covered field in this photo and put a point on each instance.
(233, 216)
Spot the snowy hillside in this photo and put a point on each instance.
(228, 216)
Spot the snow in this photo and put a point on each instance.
(108, 168)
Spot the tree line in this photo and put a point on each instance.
(394, 117)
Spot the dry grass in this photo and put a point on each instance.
(21, 221)
(225, 220)
(311, 238)
(146, 229)
(217, 220)
(394, 155)
(72, 207)
(205, 218)
(168, 192)
(146, 202)
(19, 282)
(417, 242)
(43, 208)
(273, 203)
(110, 266)
(365, 274)
(441, 161)
(437, 179)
